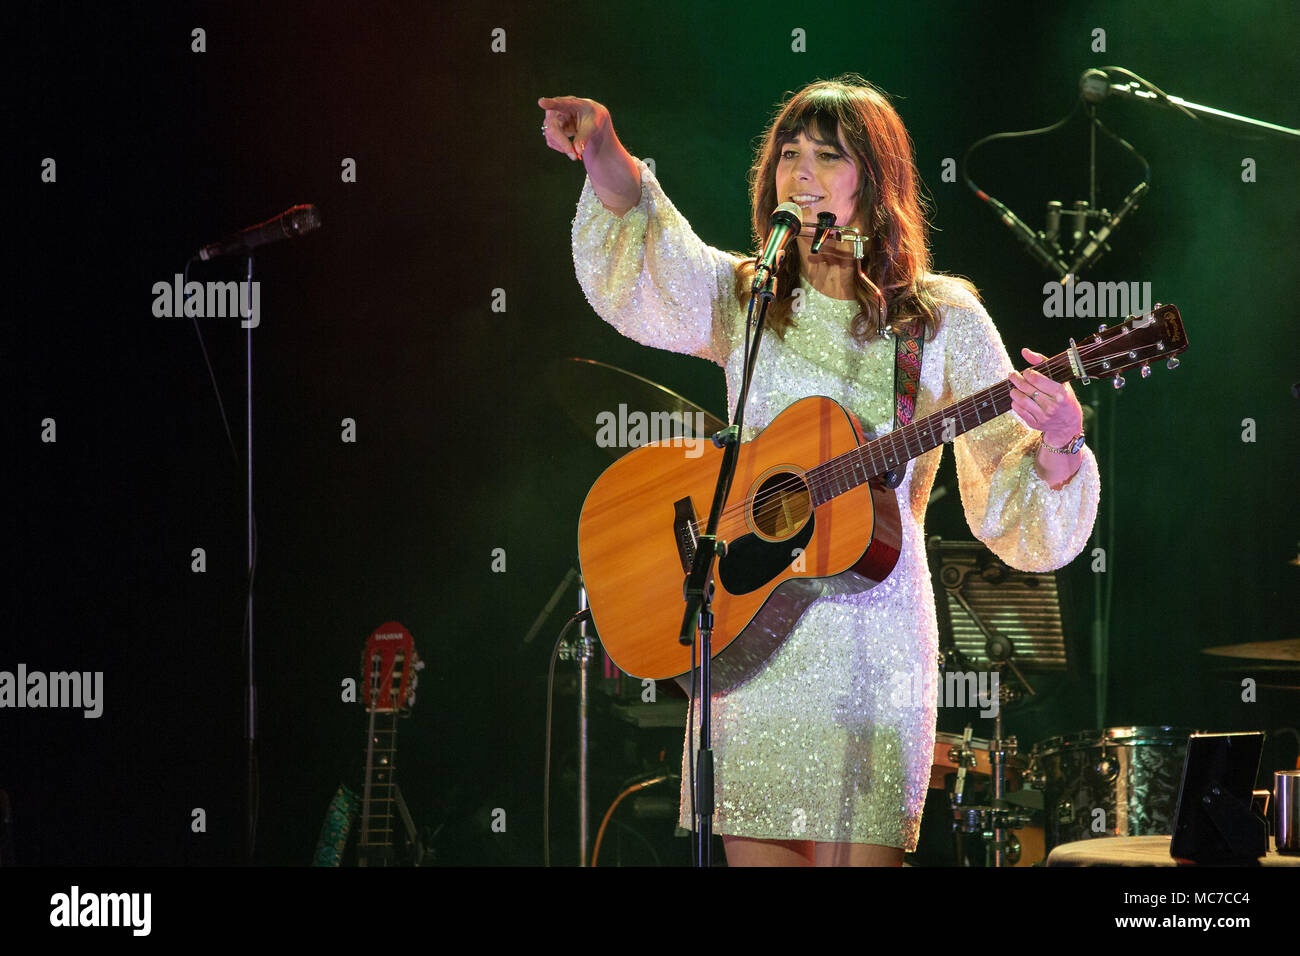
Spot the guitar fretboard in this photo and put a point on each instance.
(377, 806)
(896, 449)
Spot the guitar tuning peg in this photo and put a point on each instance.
(1118, 381)
(1172, 364)
(1146, 370)
(1102, 327)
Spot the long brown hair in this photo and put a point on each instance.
(893, 286)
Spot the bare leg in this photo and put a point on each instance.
(744, 851)
(856, 854)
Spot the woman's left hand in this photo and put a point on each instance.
(1044, 405)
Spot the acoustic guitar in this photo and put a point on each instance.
(807, 515)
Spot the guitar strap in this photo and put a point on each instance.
(907, 386)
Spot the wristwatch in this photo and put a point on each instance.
(1070, 448)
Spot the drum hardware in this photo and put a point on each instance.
(986, 819)
(992, 823)
(964, 758)
(1031, 800)
(1011, 850)
(962, 755)
(1015, 618)
(1003, 749)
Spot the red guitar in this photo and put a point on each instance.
(388, 673)
(807, 514)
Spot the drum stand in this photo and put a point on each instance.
(992, 821)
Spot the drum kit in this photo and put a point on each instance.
(1114, 781)
(1117, 781)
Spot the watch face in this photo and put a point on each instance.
(1075, 445)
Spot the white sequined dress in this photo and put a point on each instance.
(820, 744)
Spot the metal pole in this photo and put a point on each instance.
(584, 653)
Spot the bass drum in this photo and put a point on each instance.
(1122, 781)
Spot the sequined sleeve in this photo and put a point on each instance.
(648, 274)
(1009, 506)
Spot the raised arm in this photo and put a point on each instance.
(641, 266)
(582, 129)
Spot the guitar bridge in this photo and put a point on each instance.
(684, 530)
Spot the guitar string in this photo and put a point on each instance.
(850, 469)
(839, 471)
(765, 503)
(831, 472)
(847, 468)
(834, 470)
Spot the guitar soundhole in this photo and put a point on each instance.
(780, 506)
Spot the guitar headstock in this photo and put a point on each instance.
(1138, 341)
(388, 669)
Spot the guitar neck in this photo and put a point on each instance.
(896, 449)
(1137, 341)
(375, 844)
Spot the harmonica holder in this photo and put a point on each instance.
(842, 234)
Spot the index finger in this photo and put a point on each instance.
(555, 135)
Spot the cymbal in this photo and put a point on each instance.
(596, 395)
(1284, 650)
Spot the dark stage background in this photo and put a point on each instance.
(385, 316)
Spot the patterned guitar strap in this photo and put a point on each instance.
(907, 385)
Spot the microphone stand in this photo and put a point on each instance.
(698, 588)
(583, 653)
(1136, 91)
(1085, 248)
(250, 689)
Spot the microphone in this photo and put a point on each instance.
(1035, 246)
(786, 223)
(1053, 220)
(1094, 85)
(288, 225)
(1092, 251)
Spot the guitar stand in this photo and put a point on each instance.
(412, 835)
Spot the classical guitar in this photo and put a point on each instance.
(807, 514)
(388, 671)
